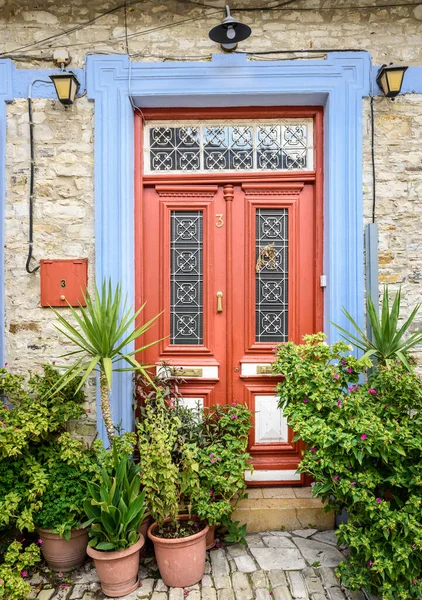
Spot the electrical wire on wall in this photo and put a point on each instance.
(32, 178)
(281, 6)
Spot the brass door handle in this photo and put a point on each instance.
(219, 302)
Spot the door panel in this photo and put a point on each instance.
(233, 269)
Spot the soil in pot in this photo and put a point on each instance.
(118, 571)
(60, 554)
(181, 560)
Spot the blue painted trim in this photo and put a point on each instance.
(6, 95)
(338, 83)
(22, 79)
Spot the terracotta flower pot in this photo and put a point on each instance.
(62, 555)
(181, 561)
(118, 571)
(210, 537)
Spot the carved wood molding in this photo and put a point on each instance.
(186, 191)
(272, 189)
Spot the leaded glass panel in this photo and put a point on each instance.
(186, 271)
(271, 275)
(282, 145)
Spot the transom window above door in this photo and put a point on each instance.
(204, 146)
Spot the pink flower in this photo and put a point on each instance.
(313, 449)
(211, 492)
(212, 461)
(234, 403)
(1, 580)
(336, 375)
(353, 483)
(379, 500)
(339, 403)
(39, 541)
(88, 410)
(212, 455)
(413, 546)
(305, 400)
(372, 391)
(414, 582)
(233, 417)
(370, 563)
(24, 574)
(335, 478)
(363, 436)
(349, 370)
(343, 362)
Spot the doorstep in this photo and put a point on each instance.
(284, 508)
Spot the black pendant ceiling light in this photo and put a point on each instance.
(230, 32)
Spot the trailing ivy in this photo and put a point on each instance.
(364, 450)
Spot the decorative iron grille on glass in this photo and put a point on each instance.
(186, 277)
(271, 275)
(282, 145)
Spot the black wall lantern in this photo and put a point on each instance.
(390, 79)
(67, 86)
(230, 32)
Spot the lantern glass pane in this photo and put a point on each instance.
(384, 83)
(62, 87)
(395, 79)
(73, 89)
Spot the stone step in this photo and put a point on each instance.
(282, 508)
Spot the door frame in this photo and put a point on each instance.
(339, 82)
(316, 177)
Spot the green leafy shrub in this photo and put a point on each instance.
(30, 423)
(169, 469)
(115, 507)
(13, 570)
(364, 450)
(223, 460)
(68, 467)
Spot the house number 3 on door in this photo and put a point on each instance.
(220, 221)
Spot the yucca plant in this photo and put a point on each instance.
(389, 343)
(105, 327)
(116, 507)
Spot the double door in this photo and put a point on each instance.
(234, 267)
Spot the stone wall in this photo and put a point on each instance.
(64, 208)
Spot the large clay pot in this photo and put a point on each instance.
(181, 561)
(62, 555)
(118, 571)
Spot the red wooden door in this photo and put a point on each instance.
(233, 262)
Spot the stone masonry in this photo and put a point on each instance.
(64, 190)
(274, 565)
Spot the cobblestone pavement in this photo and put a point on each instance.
(275, 565)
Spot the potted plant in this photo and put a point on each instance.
(169, 475)
(115, 510)
(105, 329)
(67, 466)
(223, 460)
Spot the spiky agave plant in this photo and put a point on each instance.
(389, 341)
(105, 326)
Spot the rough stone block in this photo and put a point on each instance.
(245, 564)
(259, 579)
(282, 593)
(318, 552)
(297, 585)
(289, 559)
(277, 577)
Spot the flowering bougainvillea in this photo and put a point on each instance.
(365, 455)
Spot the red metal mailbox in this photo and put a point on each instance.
(63, 282)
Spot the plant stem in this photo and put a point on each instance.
(105, 407)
